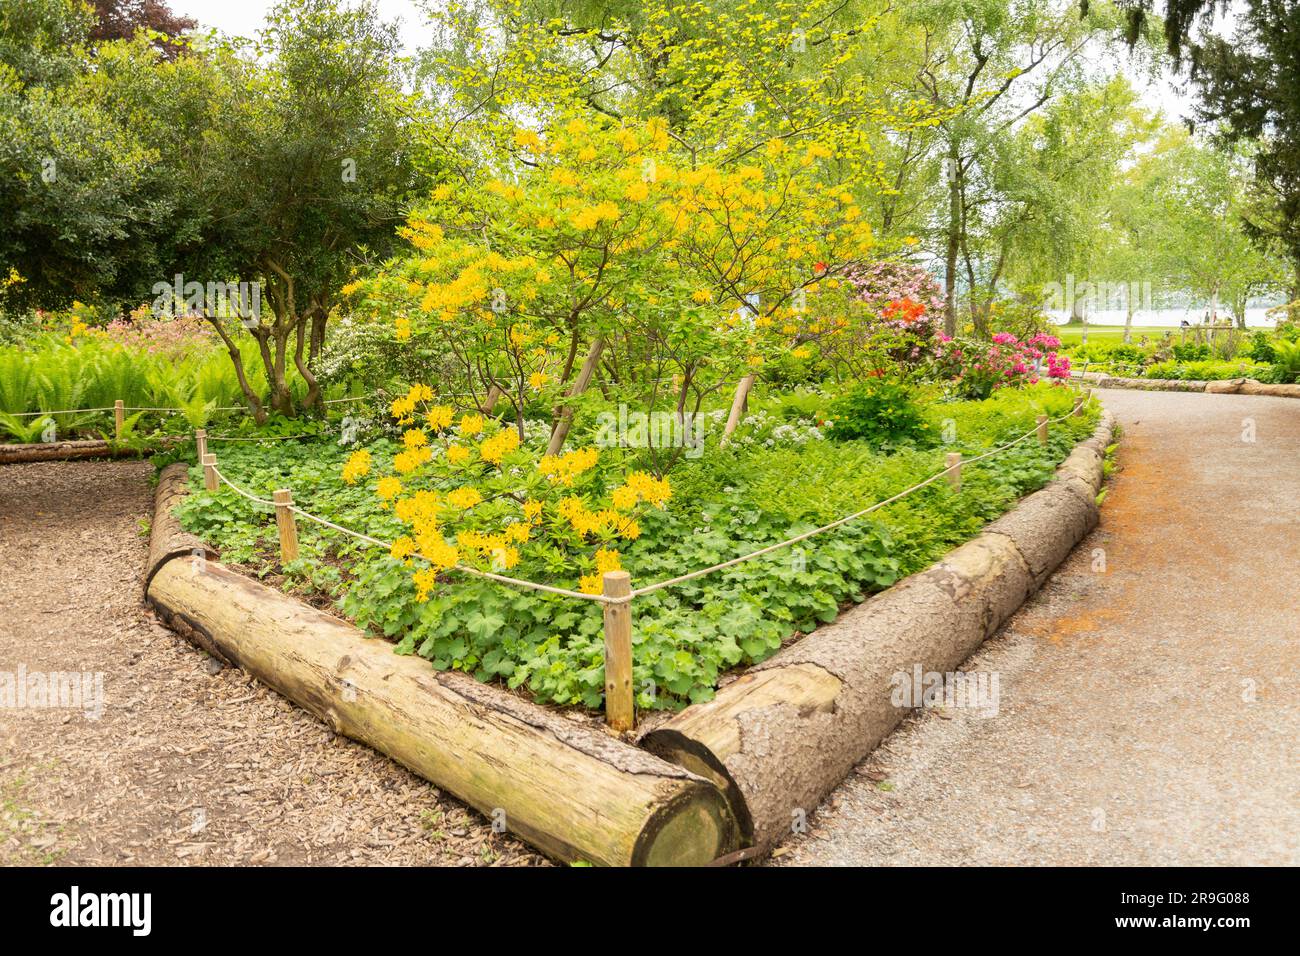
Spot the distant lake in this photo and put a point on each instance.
(1147, 318)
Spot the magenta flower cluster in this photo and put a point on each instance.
(978, 369)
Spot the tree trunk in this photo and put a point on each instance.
(564, 415)
(780, 737)
(954, 242)
(571, 790)
(62, 451)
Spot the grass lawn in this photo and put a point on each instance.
(1073, 334)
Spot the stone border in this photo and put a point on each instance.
(1227, 386)
(716, 777)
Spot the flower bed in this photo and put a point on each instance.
(563, 519)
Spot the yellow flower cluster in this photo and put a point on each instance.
(491, 547)
(565, 468)
(499, 445)
(606, 561)
(464, 497)
(586, 522)
(357, 467)
(589, 217)
(440, 417)
(420, 511)
(648, 488)
(403, 408)
(405, 462)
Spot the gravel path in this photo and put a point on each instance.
(1149, 712)
(187, 763)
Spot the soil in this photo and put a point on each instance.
(188, 762)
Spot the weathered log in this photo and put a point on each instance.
(62, 451)
(571, 790)
(1275, 389)
(779, 738)
(166, 539)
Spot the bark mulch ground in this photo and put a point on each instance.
(189, 763)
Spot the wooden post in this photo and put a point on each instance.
(119, 417)
(737, 406)
(209, 472)
(1078, 405)
(954, 470)
(1042, 430)
(619, 710)
(288, 527)
(200, 442)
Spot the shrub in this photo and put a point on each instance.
(1191, 351)
(1260, 347)
(881, 412)
(977, 369)
(1287, 361)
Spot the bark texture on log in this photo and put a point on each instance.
(778, 739)
(62, 451)
(571, 790)
(166, 539)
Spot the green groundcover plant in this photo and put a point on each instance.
(779, 477)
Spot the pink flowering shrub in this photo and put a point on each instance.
(977, 369)
(172, 337)
(880, 283)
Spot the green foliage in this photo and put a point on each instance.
(1287, 360)
(1191, 351)
(1260, 347)
(1205, 371)
(727, 503)
(880, 412)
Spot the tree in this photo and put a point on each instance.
(121, 19)
(38, 40)
(1046, 204)
(99, 204)
(1002, 61)
(307, 171)
(1249, 91)
(1196, 196)
(1250, 86)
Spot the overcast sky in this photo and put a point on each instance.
(245, 18)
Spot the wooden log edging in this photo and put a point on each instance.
(166, 539)
(1228, 386)
(62, 451)
(780, 737)
(569, 789)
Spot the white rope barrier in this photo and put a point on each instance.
(682, 579)
(670, 582)
(388, 545)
